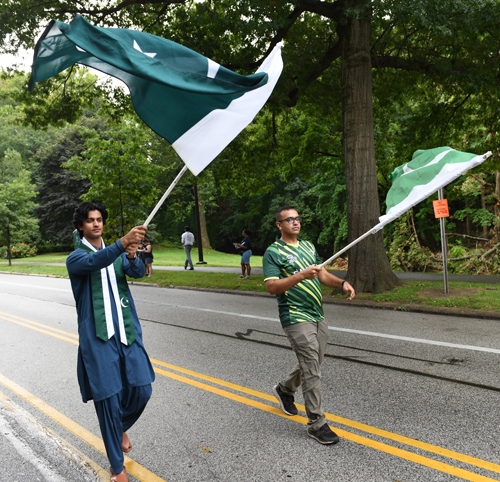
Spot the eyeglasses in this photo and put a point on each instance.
(290, 220)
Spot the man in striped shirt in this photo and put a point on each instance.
(291, 273)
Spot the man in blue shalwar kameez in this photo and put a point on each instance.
(113, 367)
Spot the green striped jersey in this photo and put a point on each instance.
(303, 302)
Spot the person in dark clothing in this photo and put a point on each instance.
(246, 247)
(147, 256)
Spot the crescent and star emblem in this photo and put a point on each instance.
(124, 302)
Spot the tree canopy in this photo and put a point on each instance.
(17, 205)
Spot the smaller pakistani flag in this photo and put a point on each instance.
(425, 174)
(191, 101)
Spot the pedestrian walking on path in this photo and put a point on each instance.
(187, 240)
(291, 273)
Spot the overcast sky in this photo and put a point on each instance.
(23, 60)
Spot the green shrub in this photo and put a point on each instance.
(19, 250)
(457, 251)
(404, 252)
(475, 265)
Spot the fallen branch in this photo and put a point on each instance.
(467, 236)
(480, 255)
(478, 179)
(440, 260)
(492, 250)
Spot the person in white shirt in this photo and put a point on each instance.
(187, 239)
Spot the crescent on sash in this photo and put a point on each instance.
(123, 301)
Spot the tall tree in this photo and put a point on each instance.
(26, 140)
(60, 189)
(16, 207)
(117, 163)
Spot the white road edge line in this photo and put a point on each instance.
(417, 340)
(347, 330)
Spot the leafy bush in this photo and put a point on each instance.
(19, 250)
(404, 251)
(457, 251)
(475, 265)
(409, 257)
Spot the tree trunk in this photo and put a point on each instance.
(467, 219)
(120, 198)
(497, 192)
(483, 205)
(9, 254)
(369, 268)
(205, 241)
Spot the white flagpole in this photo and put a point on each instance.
(167, 192)
(356, 241)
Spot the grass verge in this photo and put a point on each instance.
(164, 257)
(462, 295)
(475, 296)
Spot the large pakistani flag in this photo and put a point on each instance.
(426, 173)
(191, 101)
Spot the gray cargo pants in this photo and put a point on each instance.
(309, 342)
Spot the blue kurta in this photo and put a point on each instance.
(105, 367)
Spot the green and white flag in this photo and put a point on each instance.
(426, 173)
(191, 101)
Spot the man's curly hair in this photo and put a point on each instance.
(82, 213)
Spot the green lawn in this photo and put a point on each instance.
(476, 296)
(164, 257)
(480, 296)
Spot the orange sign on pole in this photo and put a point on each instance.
(441, 208)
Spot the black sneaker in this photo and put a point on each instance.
(324, 435)
(286, 401)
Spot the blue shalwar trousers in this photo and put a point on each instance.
(116, 415)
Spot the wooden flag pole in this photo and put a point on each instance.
(167, 192)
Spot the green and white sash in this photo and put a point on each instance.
(101, 298)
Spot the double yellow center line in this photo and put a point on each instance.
(256, 400)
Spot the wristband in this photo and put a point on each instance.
(345, 281)
(132, 259)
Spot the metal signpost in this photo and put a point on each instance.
(441, 211)
(198, 226)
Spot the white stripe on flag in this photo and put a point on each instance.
(205, 140)
(408, 170)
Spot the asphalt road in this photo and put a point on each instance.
(414, 397)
